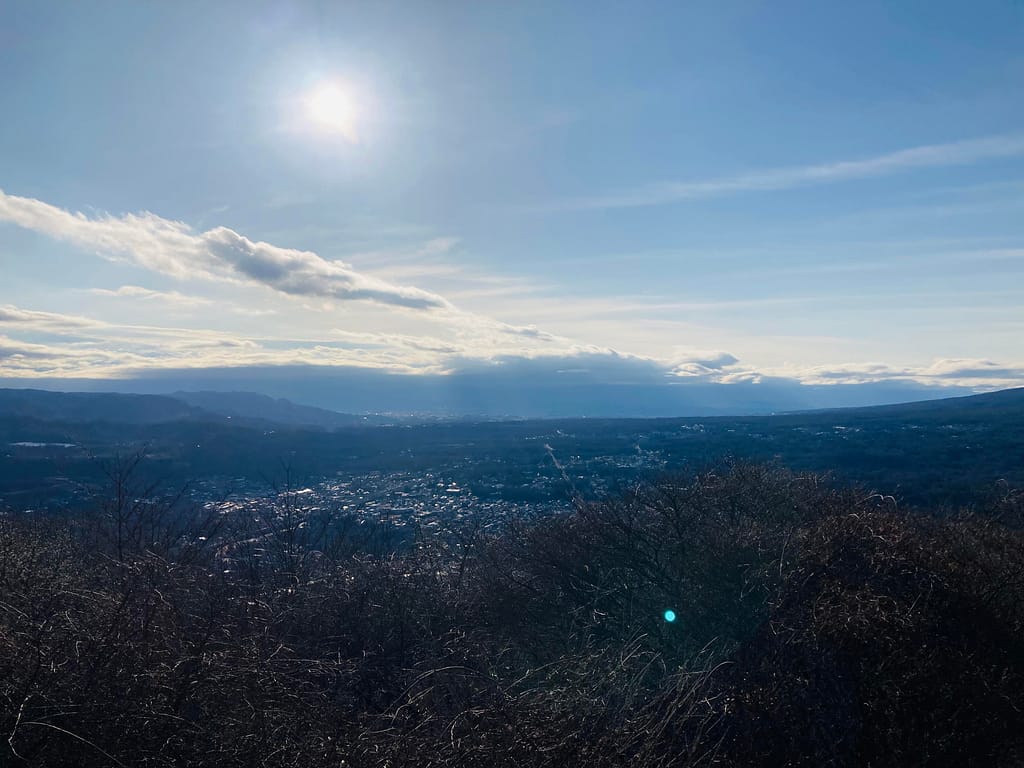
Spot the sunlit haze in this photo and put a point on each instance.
(331, 108)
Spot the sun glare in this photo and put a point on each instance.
(330, 108)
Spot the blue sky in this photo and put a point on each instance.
(812, 193)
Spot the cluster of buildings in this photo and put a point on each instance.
(426, 500)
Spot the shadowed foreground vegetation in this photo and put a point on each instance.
(814, 627)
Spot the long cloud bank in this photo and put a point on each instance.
(77, 346)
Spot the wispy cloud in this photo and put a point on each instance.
(928, 156)
(691, 363)
(177, 299)
(51, 321)
(971, 372)
(25, 359)
(173, 248)
(82, 346)
(138, 292)
(420, 256)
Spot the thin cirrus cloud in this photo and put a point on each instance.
(147, 294)
(10, 314)
(173, 248)
(928, 156)
(176, 300)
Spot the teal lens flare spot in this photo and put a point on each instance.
(670, 616)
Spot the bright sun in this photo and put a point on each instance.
(331, 109)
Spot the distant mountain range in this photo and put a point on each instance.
(246, 408)
(254, 406)
(253, 409)
(989, 404)
(523, 389)
(88, 407)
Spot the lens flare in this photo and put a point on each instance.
(669, 615)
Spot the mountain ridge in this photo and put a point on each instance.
(248, 408)
(257, 409)
(255, 405)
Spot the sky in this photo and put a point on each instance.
(632, 203)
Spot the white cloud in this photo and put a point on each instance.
(973, 368)
(53, 321)
(702, 363)
(173, 248)
(969, 372)
(178, 300)
(929, 156)
(118, 359)
(95, 349)
(422, 343)
(138, 292)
